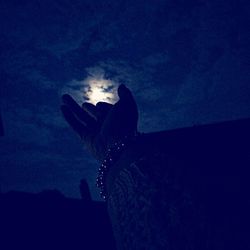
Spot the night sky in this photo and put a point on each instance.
(187, 63)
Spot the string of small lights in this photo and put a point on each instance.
(112, 156)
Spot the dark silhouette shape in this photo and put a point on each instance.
(181, 189)
(48, 220)
(51, 194)
(84, 190)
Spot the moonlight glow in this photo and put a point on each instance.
(95, 88)
(99, 90)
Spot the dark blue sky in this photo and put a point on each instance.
(187, 63)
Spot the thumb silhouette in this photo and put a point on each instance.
(123, 117)
(124, 93)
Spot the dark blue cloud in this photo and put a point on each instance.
(185, 61)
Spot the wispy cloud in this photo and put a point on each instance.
(94, 88)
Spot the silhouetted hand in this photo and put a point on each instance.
(100, 125)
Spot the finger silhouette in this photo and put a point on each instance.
(78, 111)
(122, 118)
(103, 109)
(127, 105)
(124, 93)
(81, 129)
(90, 109)
(99, 111)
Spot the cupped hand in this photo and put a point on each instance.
(101, 125)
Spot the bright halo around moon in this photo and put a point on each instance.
(95, 88)
(100, 90)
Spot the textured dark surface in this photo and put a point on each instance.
(191, 194)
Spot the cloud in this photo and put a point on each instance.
(94, 88)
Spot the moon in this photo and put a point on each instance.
(93, 89)
(100, 90)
